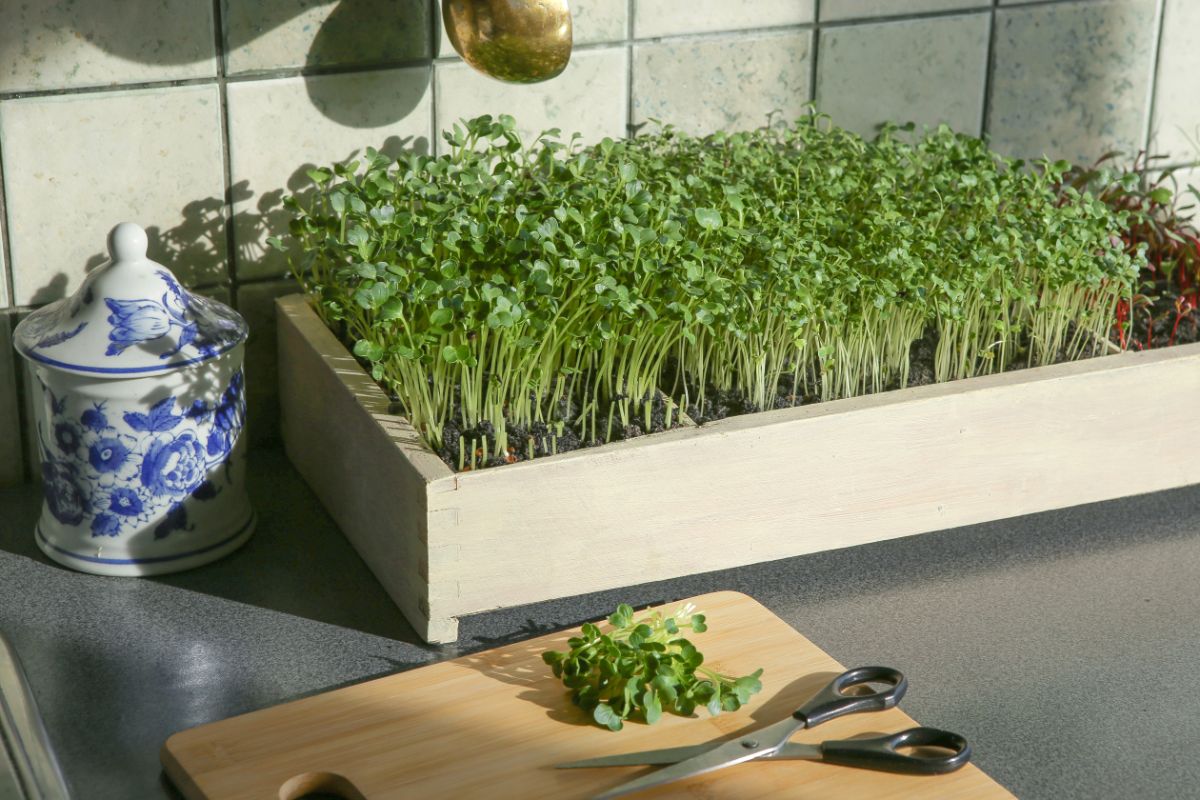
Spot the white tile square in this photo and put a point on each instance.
(1176, 126)
(76, 165)
(834, 10)
(652, 18)
(58, 44)
(590, 97)
(926, 71)
(731, 83)
(280, 128)
(276, 34)
(1072, 80)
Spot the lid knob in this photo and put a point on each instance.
(127, 242)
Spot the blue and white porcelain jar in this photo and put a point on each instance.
(140, 419)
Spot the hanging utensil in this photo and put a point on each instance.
(518, 41)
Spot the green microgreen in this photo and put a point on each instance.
(1161, 231)
(505, 292)
(644, 666)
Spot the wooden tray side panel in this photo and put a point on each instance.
(745, 491)
(493, 724)
(367, 466)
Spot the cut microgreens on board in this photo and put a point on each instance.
(644, 666)
(521, 300)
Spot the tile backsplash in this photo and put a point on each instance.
(196, 117)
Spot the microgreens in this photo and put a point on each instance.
(644, 666)
(1161, 230)
(557, 286)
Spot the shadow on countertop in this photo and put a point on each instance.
(297, 562)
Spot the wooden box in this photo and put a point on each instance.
(738, 491)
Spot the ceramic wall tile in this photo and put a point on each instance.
(12, 456)
(76, 165)
(1072, 80)
(58, 44)
(256, 302)
(1176, 127)
(868, 74)
(722, 84)
(669, 17)
(589, 97)
(275, 34)
(592, 22)
(278, 129)
(833, 10)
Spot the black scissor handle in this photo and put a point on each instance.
(832, 701)
(882, 753)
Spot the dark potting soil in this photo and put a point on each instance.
(1167, 320)
(719, 404)
(542, 436)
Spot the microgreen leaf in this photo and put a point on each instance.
(640, 668)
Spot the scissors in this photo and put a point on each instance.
(772, 743)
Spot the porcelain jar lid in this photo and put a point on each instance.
(129, 318)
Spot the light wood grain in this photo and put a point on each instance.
(493, 725)
(738, 491)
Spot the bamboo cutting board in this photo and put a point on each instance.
(492, 725)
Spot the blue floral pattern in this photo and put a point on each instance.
(119, 474)
(192, 319)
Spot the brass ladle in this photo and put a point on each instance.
(518, 41)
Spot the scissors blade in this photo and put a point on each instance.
(719, 757)
(673, 755)
(667, 755)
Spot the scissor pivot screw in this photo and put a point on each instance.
(749, 744)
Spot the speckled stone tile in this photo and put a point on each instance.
(592, 22)
(256, 302)
(589, 97)
(669, 17)
(868, 74)
(722, 84)
(1176, 126)
(1071, 80)
(280, 128)
(832, 10)
(57, 44)
(270, 34)
(76, 165)
(12, 457)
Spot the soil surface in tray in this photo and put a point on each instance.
(719, 403)
(544, 438)
(1168, 319)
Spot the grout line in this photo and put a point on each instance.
(915, 16)
(1160, 13)
(629, 14)
(435, 38)
(20, 377)
(813, 54)
(226, 156)
(989, 69)
(10, 281)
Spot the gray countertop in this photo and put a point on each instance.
(1063, 645)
